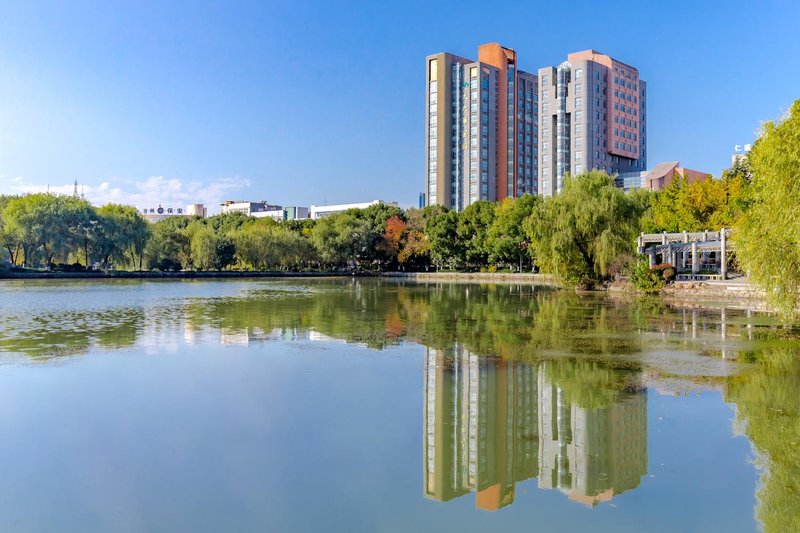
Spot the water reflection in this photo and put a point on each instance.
(490, 424)
(521, 382)
(512, 322)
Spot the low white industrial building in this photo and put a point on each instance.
(321, 211)
(157, 214)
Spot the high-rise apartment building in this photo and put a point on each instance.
(480, 128)
(592, 115)
(494, 131)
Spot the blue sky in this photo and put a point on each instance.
(312, 102)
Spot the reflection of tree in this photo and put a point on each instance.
(519, 322)
(590, 384)
(72, 332)
(491, 423)
(768, 410)
(509, 321)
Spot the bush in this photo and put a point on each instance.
(666, 271)
(644, 278)
(669, 274)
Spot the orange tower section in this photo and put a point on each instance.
(501, 58)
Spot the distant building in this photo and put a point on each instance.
(494, 131)
(631, 180)
(480, 128)
(248, 208)
(740, 153)
(662, 175)
(284, 213)
(296, 213)
(321, 211)
(593, 116)
(157, 214)
(421, 200)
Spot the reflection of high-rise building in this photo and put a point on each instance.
(490, 424)
(591, 453)
(480, 427)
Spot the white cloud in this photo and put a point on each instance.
(151, 192)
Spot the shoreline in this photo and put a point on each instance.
(130, 274)
(683, 293)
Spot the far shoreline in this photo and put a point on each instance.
(680, 292)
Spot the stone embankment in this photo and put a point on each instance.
(475, 277)
(736, 291)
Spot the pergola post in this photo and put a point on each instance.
(695, 262)
(652, 256)
(723, 265)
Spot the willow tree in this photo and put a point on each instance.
(581, 232)
(768, 237)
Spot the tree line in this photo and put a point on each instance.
(585, 234)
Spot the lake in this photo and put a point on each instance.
(369, 405)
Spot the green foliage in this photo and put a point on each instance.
(644, 278)
(581, 232)
(708, 204)
(169, 245)
(264, 246)
(8, 240)
(343, 239)
(507, 240)
(446, 249)
(472, 228)
(768, 237)
(210, 249)
(768, 411)
(45, 226)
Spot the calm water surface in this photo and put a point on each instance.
(339, 405)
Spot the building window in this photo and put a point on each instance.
(578, 73)
(578, 102)
(578, 155)
(578, 115)
(578, 88)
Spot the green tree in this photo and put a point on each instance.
(210, 249)
(507, 240)
(262, 246)
(120, 234)
(768, 237)
(446, 249)
(8, 240)
(45, 224)
(579, 233)
(169, 247)
(473, 227)
(343, 239)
